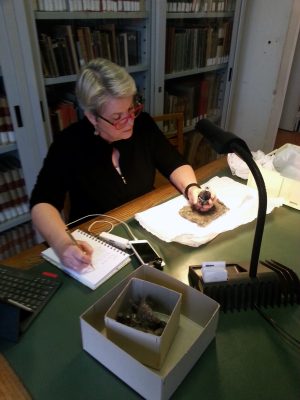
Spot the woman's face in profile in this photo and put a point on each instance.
(116, 119)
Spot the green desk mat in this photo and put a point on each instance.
(248, 360)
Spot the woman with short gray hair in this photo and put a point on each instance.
(104, 160)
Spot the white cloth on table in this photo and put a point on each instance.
(165, 222)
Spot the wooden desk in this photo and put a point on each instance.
(248, 360)
(31, 257)
(10, 385)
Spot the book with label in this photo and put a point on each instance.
(106, 260)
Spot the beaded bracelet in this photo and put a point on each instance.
(187, 188)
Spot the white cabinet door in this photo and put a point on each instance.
(23, 99)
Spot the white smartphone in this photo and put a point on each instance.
(146, 253)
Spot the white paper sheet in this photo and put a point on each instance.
(165, 222)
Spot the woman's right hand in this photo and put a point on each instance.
(47, 220)
(77, 256)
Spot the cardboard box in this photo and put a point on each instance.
(197, 328)
(148, 348)
(279, 186)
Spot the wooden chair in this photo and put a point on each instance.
(175, 136)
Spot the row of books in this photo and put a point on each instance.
(202, 45)
(89, 5)
(196, 98)
(66, 48)
(7, 134)
(200, 5)
(13, 195)
(63, 107)
(15, 240)
(63, 115)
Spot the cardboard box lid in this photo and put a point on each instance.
(197, 328)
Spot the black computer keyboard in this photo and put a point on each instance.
(29, 292)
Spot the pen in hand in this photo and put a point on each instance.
(76, 243)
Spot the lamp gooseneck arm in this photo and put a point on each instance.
(262, 205)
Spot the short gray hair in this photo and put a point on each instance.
(101, 79)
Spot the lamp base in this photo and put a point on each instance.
(274, 285)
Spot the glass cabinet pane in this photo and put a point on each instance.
(16, 232)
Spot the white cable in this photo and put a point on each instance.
(106, 216)
(101, 222)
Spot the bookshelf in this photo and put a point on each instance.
(62, 40)
(14, 208)
(21, 148)
(16, 232)
(44, 49)
(197, 55)
(198, 82)
(65, 40)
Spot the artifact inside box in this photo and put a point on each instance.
(141, 314)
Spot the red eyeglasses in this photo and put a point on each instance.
(122, 122)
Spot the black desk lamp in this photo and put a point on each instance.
(267, 283)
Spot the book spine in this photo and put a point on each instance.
(16, 240)
(81, 47)
(66, 114)
(7, 134)
(7, 201)
(90, 5)
(13, 199)
(123, 50)
(203, 98)
(133, 47)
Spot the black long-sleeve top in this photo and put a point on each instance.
(80, 162)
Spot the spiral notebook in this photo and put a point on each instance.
(106, 259)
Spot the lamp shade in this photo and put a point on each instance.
(221, 141)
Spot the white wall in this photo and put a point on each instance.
(292, 97)
(264, 60)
